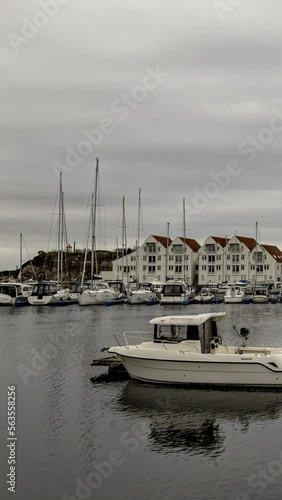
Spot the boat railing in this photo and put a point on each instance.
(136, 336)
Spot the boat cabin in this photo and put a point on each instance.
(43, 289)
(173, 289)
(199, 330)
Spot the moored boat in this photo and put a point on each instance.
(234, 295)
(143, 294)
(186, 349)
(14, 293)
(175, 292)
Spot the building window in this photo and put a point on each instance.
(159, 257)
(228, 268)
(259, 269)
(234, 247)
(211, 258)
(204, 268)
(178, 269)
(170, 268)
(151, 247)
(178, 258)
(170, 257)
(235, 258)
(152, 258)
(159, 268)
(144, 268)
(210, 269)
(242, 256)
(210, 247)
(218, 268)
(258, 256)
(177, 248)
(151, 269)
(235, 269)
(144, 257)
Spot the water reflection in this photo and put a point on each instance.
(195, 420)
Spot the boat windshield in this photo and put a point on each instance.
(10, 290)
(171, 333)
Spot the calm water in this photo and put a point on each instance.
(124, 440)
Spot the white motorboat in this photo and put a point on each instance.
(142, 294)
(99, 293)
(186, 349)
(234, 295)
(204, 297)
(175, 292)
(260, 296)
(44, 293)
(14, 293)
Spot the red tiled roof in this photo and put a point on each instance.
(274, 251)
(193, 244)
(163, 240)
(249, 242)
(221, 241)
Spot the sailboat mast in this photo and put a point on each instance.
(21, 257)
(93, 225)
(256, 253)
(59, 231)
(166, 254)
(138, 237)
(184, 240)
(124, 241)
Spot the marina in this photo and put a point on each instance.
(67, 424)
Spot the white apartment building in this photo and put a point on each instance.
(159, 258)
(238, 258)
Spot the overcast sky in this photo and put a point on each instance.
(182, 99)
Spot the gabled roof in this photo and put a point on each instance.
(193, 244)
(274, 252)
(221, 241)
(163, 240)
(249, 242)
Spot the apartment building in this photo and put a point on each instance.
(158, 259)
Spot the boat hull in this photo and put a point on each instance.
(242, 371)
(91, 298)
(140, 297)
(6, 300)
(46, 300)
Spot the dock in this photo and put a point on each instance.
(116, 370)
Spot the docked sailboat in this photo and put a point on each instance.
(98, 292)
(143, 294)
(187, 349)
(52, 292)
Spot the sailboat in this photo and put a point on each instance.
(261, 293)
(143, 292)
(99, 292)
(51, 293)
